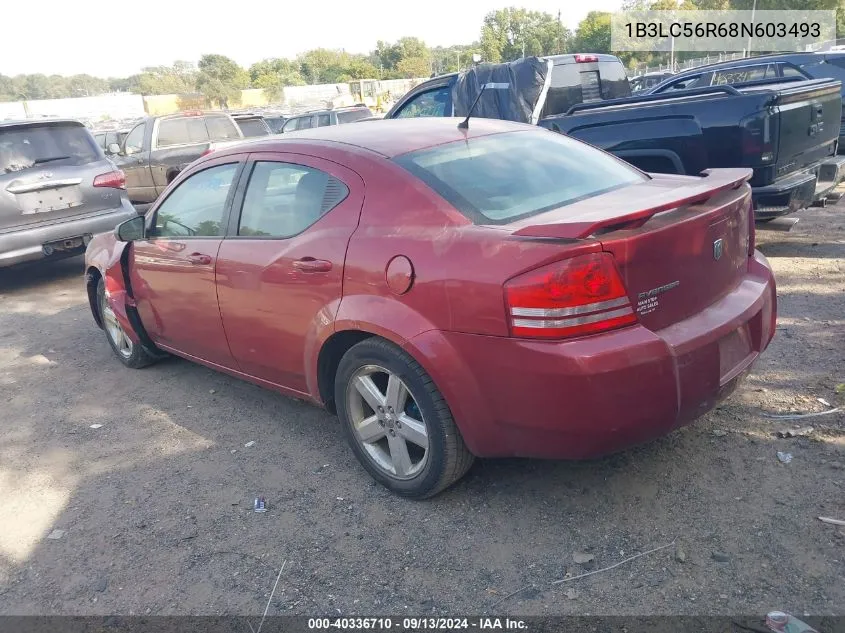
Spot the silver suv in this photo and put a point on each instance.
(57, 190)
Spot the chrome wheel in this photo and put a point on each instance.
(114, 331)
(387, 422)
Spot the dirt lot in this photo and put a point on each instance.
(156, 504)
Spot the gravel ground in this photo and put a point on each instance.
(151, 512)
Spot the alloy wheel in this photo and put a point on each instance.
(387, 422)
(122, 343)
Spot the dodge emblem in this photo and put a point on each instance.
(717, 249)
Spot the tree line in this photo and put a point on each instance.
(506, 34)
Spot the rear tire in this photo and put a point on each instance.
(397, 421)
(131, 354)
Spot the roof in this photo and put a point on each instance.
(760, 59)
(389, 137)
(357, 106)
(45, 121)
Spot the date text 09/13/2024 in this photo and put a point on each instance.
(417, 624)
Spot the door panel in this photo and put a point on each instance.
(135, 163)
(172, 271)
(275, 292)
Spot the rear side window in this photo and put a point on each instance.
(221, 128)
(283, 199)
(353, 115)
(504, 177)
(181, 131)
(742, 75)
(253, 127)
(324, 120)
(22, 148)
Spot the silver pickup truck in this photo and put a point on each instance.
(159, 147)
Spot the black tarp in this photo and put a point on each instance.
(512, 90)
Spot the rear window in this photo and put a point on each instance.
(253, 127)
(353, 115)
(505, 177)
(585, 82)
(25, 147)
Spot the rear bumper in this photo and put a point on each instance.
(28, 243)
(603, 393)
(798, 191)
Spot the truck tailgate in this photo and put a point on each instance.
(806, 116)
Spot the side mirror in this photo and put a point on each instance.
(113, 148)
(130, 230)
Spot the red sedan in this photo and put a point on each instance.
(500, 290)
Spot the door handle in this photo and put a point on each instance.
(312, 265)
(199, 259)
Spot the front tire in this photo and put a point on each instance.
(397, 421)
(131, 354)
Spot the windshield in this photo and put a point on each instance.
(25, 147)
(504, 177)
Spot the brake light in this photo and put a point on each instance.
(757, 139)
(578, 296)
(584, 59)
(191, 113)
(752, 238)
(207, 152)
(114, 179)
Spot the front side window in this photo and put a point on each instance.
(505, 177)
(284, 199)
(135, 139)
(197, 206)
(430, 103)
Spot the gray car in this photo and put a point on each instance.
(57, 190)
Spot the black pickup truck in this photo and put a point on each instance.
(159, 147)
(787, 132)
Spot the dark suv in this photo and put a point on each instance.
(57, 190)
(321, 118)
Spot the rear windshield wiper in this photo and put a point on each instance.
(49, 159)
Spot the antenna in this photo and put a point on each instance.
(464, 125)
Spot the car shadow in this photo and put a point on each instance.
(42, 272)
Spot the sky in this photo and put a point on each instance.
(116, 39)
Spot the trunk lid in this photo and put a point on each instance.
(680, 242)
(47, 172)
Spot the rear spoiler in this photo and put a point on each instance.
(589, 222)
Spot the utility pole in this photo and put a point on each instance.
(753, 11)
(559, 33)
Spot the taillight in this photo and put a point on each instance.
(757, 139)
(207, 152)
(114, 179)
(752, 238)
(584, 59)
(574, 297)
